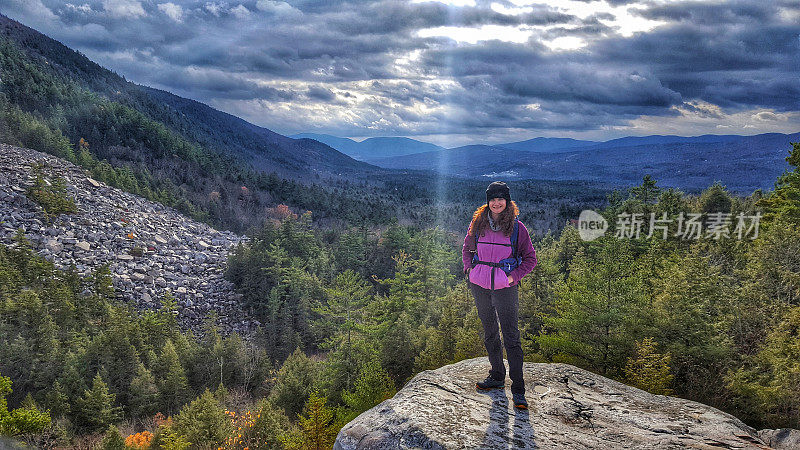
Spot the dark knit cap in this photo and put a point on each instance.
(498, 189)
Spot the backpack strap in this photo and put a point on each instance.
(514, 238)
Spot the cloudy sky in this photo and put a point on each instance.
(454, 72)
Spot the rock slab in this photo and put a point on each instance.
(569, 408)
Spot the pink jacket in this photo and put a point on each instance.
(482, 274)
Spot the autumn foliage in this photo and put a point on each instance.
(140, 440)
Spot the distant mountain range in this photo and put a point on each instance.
(742, 163)
(372, 148)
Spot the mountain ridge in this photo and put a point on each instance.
(372, 148)
(742, 163)
(225, 133)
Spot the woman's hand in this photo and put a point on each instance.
(510, 279)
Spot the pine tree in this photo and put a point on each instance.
(469, 340)
(649, 370)
(598, 311)
(57, 400)
(96, 409)
(203, 421)
(297, 378)
(715, 199)
(341, 315)
(112, 440)
(317, 426)
(439, 343)
(784, 201)
(172, 382)
(769, 285)
(143, 393)
(647, 192)
(397, 349)
(372, 387)
(768, 385)
(689, 317)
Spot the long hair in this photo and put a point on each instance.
(480, 220)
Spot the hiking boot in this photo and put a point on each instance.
(520, 402)
(489, 383)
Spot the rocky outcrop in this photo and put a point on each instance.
(787, 438)
(151, 249)
(569, 408)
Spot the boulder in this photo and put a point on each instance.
(569, 408)
(54, 246)
(782, 438)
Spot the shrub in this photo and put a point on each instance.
(203, 421)
(139, 440)
(53, 198)
(259, 429)
(649, 370)
(27, 419)
(112, 440)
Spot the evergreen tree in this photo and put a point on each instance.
(203, 421)
(269, 426)
(715, 199)
(112, 440)
(96, 409)
(769, 285)
(297, 378)
(173, 384)
(143, 393)
(372, 387)
(649, 370)
(768, 385)
(537, 293)
(647, 192)
(341, 315)
(784, 201)
(57, 400)
(398, 350)
(439, 343)
(598, 311)
(469, 338)
(317, 426)
(26, 419)
(689, 315)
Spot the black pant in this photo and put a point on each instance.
(501, 304)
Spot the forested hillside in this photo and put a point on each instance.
(350, 316)
(213, 166)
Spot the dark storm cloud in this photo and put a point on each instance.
(614, 2)
(320, 93)
(735, 55)
(700, 13)
(220, 84)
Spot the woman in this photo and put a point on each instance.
(494, 280)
